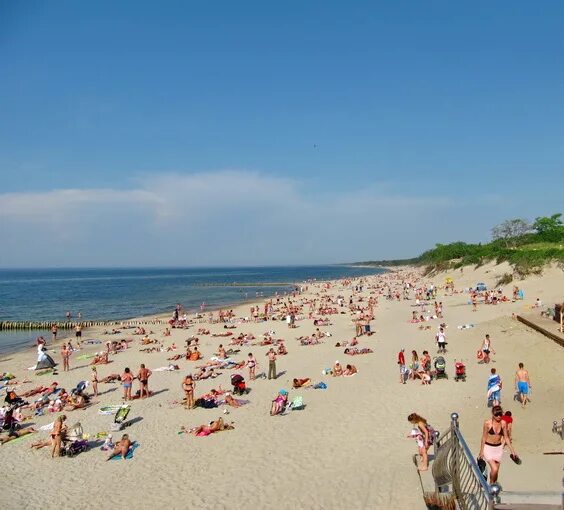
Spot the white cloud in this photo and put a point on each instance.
(224, 217)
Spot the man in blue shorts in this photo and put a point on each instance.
(522, 384)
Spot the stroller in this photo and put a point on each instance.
(440, 368)
(459, 371)
(7, 421)
(238, 383)
(119, 418)
(74, 442)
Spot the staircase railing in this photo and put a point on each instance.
(455, 470)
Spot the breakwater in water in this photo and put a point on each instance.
(21, 325)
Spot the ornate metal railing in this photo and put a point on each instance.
(455, 470)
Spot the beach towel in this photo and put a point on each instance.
(129, 454)
(111, 409)
(494, 384)
(17, 439)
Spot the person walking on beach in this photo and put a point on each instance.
(494, 437)
(522, 384)
(486, 349)
(440, 338)
(143, 376)
(494, 388)
(401, 363)
(271, 363)
(54, 330)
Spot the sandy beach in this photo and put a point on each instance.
(347, 448)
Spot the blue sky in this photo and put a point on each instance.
(272, 132)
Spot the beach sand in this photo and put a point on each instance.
(347, 448)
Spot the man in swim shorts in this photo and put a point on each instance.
(522, 384)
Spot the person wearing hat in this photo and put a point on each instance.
(279, 403)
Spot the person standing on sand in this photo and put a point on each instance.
(59, 429)
(54, 330)
(251, 364)
(78, 333)
(522, 384)
(127, 383)
(440, 338)
(143, 376)
(189, 385)
(95, 381)
(401, 363)
(65, 354)
(271, 363)
(422, 433)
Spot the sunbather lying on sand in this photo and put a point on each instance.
(110, 378)
(301, 383)
(234, 402)
(121, 448)
(204, 373)
(15, 434)
(214, 426)
(353, 351)
(101, 359)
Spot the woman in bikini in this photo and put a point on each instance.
(251, 364)
(95, 381)
(127, 382)
(59, 429)
(494, 436)
(188, 385)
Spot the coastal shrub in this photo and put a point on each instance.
(527, 253)
(504, 279)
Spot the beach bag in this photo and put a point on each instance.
(320, 386)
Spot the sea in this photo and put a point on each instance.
(116, 294)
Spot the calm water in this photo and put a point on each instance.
(113, 294)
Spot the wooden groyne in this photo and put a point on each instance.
(22, 325)
(543, 326)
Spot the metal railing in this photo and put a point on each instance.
(455, 469)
